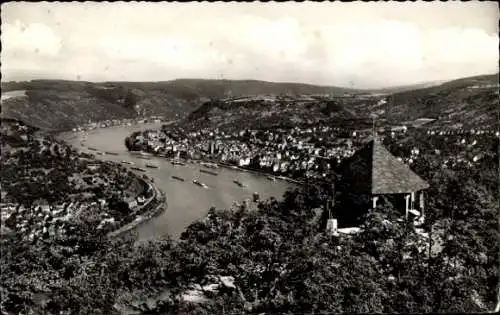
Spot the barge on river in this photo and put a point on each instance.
(209, 165)
(178, 178)
(209, 172)
(197, 182)
(237, 182)
(178, 163)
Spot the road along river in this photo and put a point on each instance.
(187, 202)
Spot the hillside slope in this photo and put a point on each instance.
(55, 104)
(468, 102)
(63, 105)
(268, 112)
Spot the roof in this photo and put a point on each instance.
(374, 170)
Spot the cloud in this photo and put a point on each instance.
(35, 38)
(370, 45)
(456, 45)
(387, 52)
(277, 39)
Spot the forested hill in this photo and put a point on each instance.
(57, 104)
(271, 112)
(65, 104)
(467, 102)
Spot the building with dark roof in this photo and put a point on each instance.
(373, 172)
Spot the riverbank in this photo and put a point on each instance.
(159, 197)
(112, 124)
(259, 172)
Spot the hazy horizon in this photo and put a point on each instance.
(352, 45)
(272, 82)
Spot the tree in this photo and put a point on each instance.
(117, 204)
(130, 99)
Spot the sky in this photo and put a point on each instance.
(361, 45)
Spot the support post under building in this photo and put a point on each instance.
(407, 199)
(374, 201)
(422, 203)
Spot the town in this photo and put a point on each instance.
(118, 122)
(47, 185)
(312, 152)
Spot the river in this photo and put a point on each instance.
(186, 202)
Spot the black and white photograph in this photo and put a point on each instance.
(164, 158)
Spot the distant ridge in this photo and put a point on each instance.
(466, 102)
(63, 104)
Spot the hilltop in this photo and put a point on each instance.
(463, 103)
(270, 111)
(58, 104)
(62, 105)
(468, 102)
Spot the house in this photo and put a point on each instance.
(399, 128)
(93, 167)
(373, 172)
